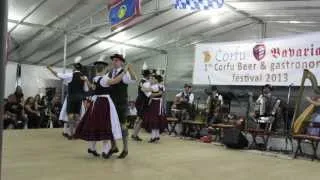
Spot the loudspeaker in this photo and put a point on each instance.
(233, 138)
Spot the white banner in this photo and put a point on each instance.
(278, 61)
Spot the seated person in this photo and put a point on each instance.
(214, 102)
(315, 118)
(266, 108)
(185, 101)
(14, 116)
(33, 115)
(55, 111)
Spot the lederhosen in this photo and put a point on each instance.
(119, 95)
(142, 100)
(75, 94)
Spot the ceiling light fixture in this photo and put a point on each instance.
(214, 20)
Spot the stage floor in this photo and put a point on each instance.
(46, 155)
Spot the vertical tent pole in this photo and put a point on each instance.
(3, 59)
(64, 64)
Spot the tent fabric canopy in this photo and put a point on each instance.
(37, 27)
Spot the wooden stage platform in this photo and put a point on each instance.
(45, 155)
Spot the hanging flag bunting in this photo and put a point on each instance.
(121, 13)
(198, 4)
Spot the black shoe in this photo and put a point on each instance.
(136, 138)
(114, 150)
(95, 153)
(65, 135)
(157, 139)
(152, 140)
(70, 137)
(123, 155)
(107, 155)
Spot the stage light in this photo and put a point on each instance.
(214, 20)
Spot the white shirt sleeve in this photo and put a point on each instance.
(85, 87)
(104, 81)
(221, 99)
(67, 77)
(147, 85)
(127, 79)
(179, 94)
(191, 98)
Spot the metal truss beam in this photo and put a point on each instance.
(31, 11)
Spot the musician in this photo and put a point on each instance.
(214, 102)
(267, 105)
(315, 118)
(185, 101)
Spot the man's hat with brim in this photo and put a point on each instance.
(146, 72)
(101, 61)
(119, 56)
(77, 63)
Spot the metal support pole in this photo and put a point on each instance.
(3, 59)
(263, 30)
(64, 64)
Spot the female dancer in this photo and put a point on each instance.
(101, 122)
(154, 119)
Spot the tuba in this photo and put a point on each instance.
(298, 121)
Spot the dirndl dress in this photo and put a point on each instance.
(100, 122)
(154, 117)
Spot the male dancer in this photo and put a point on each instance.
(77, 85)
(144, 92)
(119, 95)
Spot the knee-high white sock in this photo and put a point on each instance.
(157, 133)
(106, 146)
(65, 128)
(92, 145)
(153, 134)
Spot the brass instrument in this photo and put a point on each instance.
(298, 121)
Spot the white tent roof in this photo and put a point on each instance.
(37, 27)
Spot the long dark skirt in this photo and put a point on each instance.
(154, 117)
(96, 123)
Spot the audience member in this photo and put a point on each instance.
(14, 116)
(33, 115)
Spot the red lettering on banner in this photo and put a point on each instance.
(291, 52)
(275, 52)
(306, 52)
(299, 52)
(284, 53)
(318, 52)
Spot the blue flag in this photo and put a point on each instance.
(198, 4)
(123, 12)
